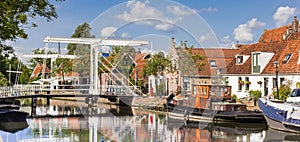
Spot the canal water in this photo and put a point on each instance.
(129, 124)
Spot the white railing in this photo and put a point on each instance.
(23, 90)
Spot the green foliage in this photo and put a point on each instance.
(298, 85)
(34, 61)
(82, 31)
(24, 77)
(3, 80)
(255, 94)
(284, 91)
(15, 14)
(156, 65)
(189, 60)
(234, 96)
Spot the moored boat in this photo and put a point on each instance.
(280, 115)
(212, 103)
(10, 112)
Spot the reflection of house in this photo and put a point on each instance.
(39, 70)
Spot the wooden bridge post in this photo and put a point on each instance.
(48, 101)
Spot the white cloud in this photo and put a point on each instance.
(206, 37)
(207, 10)
(139, 11)
(164, 27)
(180, 10)
(244, 33)
(125, 35)
(282, 15)
(142, 13)
(108, 31)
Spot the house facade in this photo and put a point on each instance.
(253, 66)
(244, 67)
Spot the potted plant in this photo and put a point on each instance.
(256, 94)
(241, 82)
(248, 82)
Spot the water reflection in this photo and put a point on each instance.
(114, 123)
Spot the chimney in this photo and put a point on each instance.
(295, 24)
(172, 42)
(139, 51)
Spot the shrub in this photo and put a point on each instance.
(255, 94)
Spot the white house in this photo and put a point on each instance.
(253, 67)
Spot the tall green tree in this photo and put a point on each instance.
(82, 63)
(82, 31)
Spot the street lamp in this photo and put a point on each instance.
(276, 65)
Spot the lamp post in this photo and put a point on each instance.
(276, 65)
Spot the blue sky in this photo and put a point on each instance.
(213, 23)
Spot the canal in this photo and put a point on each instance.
(69, 123)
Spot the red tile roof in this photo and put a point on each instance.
(222, 57)
(271, 41)
(39, 69)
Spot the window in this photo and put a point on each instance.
(213, 63)
(286, 58)
(239, 59)
(247, 82)
(240, 85)
(186, 83)
(255, 63)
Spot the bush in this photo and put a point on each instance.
(284, 91)
(255, 94)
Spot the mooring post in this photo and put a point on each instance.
(48, 101)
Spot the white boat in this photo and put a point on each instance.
(284, 116)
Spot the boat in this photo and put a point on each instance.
(10, 112)
(213, 131)
(280, 136)
(211, 103)
(280, 115)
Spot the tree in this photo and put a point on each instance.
(24, 77)
(3, 80)
(188, 60)
(156, 65)
(82, 31)
(15, 15)
(34, 61)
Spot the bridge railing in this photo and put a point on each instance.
(21, 90)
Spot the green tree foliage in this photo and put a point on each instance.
(3, 80)
(188, 60)
(15, 15)
(82, 31)
(8, 60)
(34, 61)
(156, 65)
(24, 77)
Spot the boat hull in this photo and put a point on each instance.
(276, 118)
(13, 116)
(194, 114)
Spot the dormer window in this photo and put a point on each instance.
(213, 63)
(286, 58)
(239, 59)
